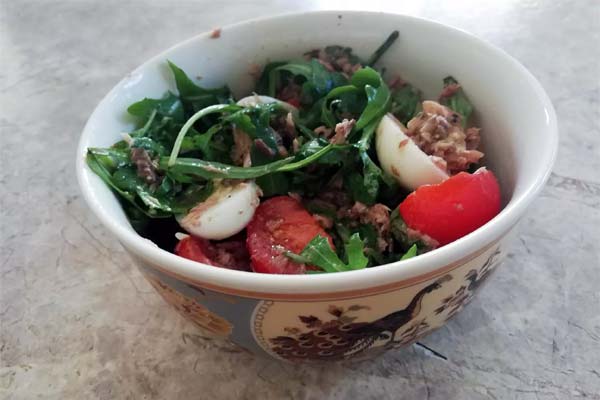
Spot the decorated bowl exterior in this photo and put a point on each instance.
(329, 327)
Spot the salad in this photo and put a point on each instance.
(331, 164)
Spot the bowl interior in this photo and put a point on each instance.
(517, 120)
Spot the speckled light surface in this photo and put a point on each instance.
(79, 321)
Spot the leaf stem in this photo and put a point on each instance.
(215, 170)
(179, 140)
(383, 48)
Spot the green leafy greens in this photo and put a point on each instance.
(184, 143)
(318, 252)
(457, 101)
(406, 103)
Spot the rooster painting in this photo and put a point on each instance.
(340, 337)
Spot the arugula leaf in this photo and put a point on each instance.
(368, 189)
(350, 104)
(241, 120)
(355, 252)
(364, 143)
(195, 95)
(190, 197)
(412, 252)
(261, 118)
(255, 121)
(169, 106)
(167, 187)
(327, 115)
(366, 231)
(315, 79)
(318, 252)
(301, 68)
(363, 186)
(318, 81)
(406, 103)
(117, 186)
(162, 118)
(143, 131)
(354, 185)
(274, 184)
(201, 142)
(120, 145)
(336, 156)
(100, 170)
(371, 176)
(217, 108)
(152, 201)
(323, 81)
(378, 96)
(458, 101)
(114, 168)
(366, 76)
(370, 235)
(110, 158)
(160, 129)
(366, 82)
(126, 178)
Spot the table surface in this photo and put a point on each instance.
(78, 320)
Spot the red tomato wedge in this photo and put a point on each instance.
(279, 224)
(194, 249)
(230, 253)
(453, 208)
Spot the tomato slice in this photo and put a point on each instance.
(194, 249)
(230, 253)
(279, 224)
(453, 208)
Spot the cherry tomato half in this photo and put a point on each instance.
(194, 249)
(453, 208)
(230, 253)
(279, 224)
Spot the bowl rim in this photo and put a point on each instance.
(261, 285)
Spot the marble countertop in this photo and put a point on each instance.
(78, 321)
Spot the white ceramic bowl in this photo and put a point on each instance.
(394, 303)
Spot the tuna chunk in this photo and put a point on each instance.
(377, 215)
(145, 168)
(437, 130)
